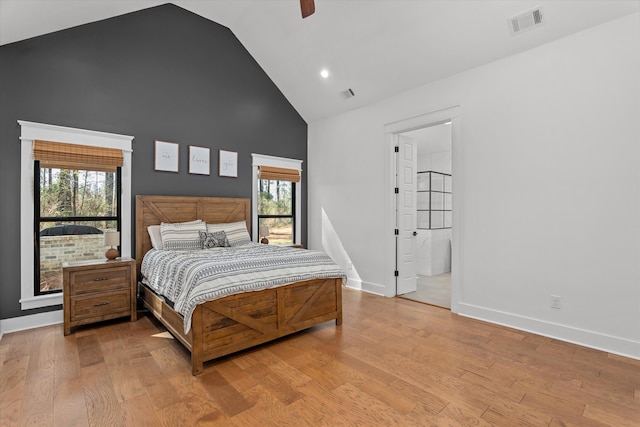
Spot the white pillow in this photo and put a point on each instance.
(177, 236)
(236, 232)
(155, 236)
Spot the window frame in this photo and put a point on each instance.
(258, 160)
(294, 220)
(29, 132)
(38, 219)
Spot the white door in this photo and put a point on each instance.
(406, 221)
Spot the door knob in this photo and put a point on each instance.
(415, 233)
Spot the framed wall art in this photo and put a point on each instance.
(228, 165)
(167, 156)
(199, 160)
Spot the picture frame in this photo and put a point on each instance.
(199, 160)
(228, 163)
(167, 156)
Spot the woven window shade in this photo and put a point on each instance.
(279, 174)
(61, 155)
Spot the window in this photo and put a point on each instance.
(276, 195)
(434, 200)
(29, 178)
(276, 214)
(73, 208)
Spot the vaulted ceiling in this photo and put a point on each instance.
(375, 48)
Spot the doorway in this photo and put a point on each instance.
(431, 219)
(434, 212)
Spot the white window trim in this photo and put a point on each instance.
(29, 132)
(258, 160)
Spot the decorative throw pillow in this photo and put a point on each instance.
(214, 240)
(236, 232)
(178, 236)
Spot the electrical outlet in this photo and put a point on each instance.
(350, 266)
(556, 302)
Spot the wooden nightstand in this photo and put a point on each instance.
(98, 290)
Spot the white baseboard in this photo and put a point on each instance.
(361, 285)
(354, 284)
(21, 323)
(374, 288)
(585, 338)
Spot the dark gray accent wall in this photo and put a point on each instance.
(161, 73)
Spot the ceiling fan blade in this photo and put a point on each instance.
(308, 7)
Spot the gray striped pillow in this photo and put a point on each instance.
(177, 236)
(236, 232)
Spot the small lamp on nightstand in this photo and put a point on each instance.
(111, 238)
(264, 231)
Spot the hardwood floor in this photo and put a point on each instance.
(393, 362)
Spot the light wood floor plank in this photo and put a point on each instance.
(237, 377)
(223, 393)
(267, 408)
(66, 359)
(426, 401)
(37, 401)
(138, 411)
(615, 416)
(155, 384)
(454, 415)
(103, 408)
(12, 389)
(70, 405)
(276, 385)
(89, 350)
(4, 351)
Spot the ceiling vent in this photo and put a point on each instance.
(526, 21)
(349, 93)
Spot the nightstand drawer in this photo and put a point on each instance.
(97, 305)
(101, 280)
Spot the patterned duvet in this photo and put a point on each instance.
(190, 277)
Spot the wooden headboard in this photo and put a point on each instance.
(152, 210)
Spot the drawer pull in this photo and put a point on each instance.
(99, 279)
(101, 303)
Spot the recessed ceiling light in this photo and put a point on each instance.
(324, 73)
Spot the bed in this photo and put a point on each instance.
(236, 322)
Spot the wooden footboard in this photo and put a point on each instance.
(238, 322)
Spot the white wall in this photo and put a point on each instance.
(551, 159)
(438, 162)
(434, 148)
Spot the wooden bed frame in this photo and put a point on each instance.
(236, 322)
